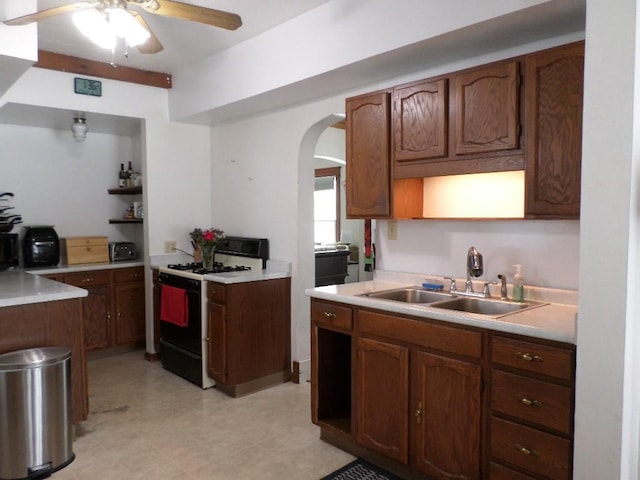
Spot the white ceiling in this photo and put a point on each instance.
(184, 41)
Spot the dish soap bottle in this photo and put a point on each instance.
(518, 284)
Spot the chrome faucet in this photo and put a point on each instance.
(503, 287)
(474, 267)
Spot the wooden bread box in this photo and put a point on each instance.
(79, 250)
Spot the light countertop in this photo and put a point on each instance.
(85, 267)
(20, 288)
(554, 321)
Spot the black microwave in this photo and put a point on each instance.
(9, 250)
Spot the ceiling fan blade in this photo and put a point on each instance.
(194, 13)
(152, 45)
(50, 12)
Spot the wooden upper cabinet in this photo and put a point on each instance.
(368, 161)
(420, 121)
(485, 111)
(553, 92)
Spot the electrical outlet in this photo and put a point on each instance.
(392, 230)
(170, 246)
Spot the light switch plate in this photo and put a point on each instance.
(170, 246)
(392, 230)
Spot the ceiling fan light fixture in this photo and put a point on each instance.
(103, 28)
(93, 25)
(123, 25)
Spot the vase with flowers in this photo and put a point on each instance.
(206, 241)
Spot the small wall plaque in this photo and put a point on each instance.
(85, 86)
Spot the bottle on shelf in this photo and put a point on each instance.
(129, 174)
(122, 177)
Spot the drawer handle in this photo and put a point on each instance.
(329, 315)
(530, 403)
(524, 450)
(87, 280)
(528, 357)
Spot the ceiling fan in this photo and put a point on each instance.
(107, 19)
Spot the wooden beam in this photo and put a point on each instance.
(82, 66)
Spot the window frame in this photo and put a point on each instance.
(332, 172)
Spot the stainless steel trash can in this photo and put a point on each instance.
(35, 412)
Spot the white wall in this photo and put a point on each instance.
(608, 367)
(547, 250)
(58, 181)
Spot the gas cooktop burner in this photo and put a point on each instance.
(185, 266)
(200, 270)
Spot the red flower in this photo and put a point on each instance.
(208, 235)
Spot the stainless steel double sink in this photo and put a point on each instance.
(490, 307)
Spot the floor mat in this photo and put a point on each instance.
(360, 470)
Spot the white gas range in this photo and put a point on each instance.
(183, 348)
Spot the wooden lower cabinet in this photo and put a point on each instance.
(114, 310)
(432, 400)
(415, 406)
(447, 418)
(249, 335)
(382, 398)
(58, 323)
(531, 407)
(129, 304)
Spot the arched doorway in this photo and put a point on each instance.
(305, 269)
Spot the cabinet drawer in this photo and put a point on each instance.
(538, 452)
(132, 274)
(423, 333)
(331, 314)
(555, 362)
(87, 279)
(499, 472)
(216, 292)
(531, 400)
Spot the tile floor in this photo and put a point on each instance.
(146, 423)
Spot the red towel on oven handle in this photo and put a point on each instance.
(174, 306)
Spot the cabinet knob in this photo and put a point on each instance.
(207, 339)
(418, 413)
(529, 402)
(524, 450)
(87, 280)
(329, 315)
(528, 357)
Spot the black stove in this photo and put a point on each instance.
(198, 268)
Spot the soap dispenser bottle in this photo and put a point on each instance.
(518, 284)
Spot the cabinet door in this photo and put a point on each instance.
(485, 108)
(553, 90)
(96, 306)
(382, 395)
(217, 343)
(446, 403)
(420, 121)
(96, 314)
(130, 322)
(368, 164)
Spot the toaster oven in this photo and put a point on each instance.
(122, 251)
